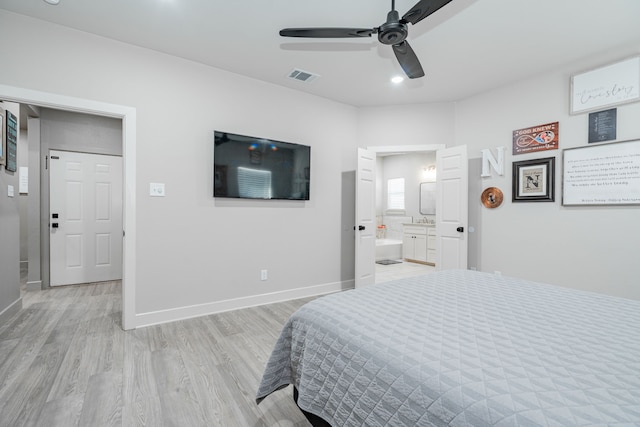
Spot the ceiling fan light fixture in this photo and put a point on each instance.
(397, 79)
(392, 32)
(52, 2)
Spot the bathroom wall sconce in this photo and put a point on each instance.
(429, 173)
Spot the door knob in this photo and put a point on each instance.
(361, 227)
(460, 229)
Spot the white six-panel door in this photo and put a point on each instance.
(365, 218)
(452, 208)
(85, 216)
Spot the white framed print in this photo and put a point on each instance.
(613, 84)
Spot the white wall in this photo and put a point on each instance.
(591, 248)
(193, 249)
(419, 124)
(410, 167)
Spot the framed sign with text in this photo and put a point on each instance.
(536, 138)
(603, 174)
(602, 125)
(606, 86)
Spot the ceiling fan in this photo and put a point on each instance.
(393, 32)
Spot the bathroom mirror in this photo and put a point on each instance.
(427, 198)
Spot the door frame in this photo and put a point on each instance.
(403, 149)
(128, 117)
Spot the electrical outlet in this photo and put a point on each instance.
(264, 275)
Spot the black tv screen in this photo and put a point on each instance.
(247, 167)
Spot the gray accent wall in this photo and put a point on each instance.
(69, 131)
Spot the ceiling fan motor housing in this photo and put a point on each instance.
(393, 31)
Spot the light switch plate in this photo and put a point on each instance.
(10, 191)
(156, 189)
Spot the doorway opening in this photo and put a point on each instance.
(451, 208)
(128, 117)
(365, 215)
(411, 166)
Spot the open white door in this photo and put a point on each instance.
(365, 218)
(452, 201)
(85, 204)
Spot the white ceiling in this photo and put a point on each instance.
(467, 47)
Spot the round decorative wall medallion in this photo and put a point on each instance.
(492, 197)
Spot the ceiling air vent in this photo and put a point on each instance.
(303, 76)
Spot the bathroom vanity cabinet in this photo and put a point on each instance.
(419, 243)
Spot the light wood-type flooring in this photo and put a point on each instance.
(65, 361)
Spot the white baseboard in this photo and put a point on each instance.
(15, 307)
(182, 313)
(34, 286)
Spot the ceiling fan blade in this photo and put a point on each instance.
(422, 9)
(327, 33)
(408, 60)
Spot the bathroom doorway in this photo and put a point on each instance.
(365, 248)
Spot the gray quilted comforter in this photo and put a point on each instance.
(458, 348)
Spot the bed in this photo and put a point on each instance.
(458, 348)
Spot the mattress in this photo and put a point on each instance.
(458, 348)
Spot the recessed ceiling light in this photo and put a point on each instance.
(53, 2)
(397, 79)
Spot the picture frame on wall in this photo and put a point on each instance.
(534, 180)
(607, 86)
(11, 145)
(602, 125)
(602, 174)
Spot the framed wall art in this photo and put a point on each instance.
(536, 138)
(603, 174)
(534, 180)
(613, 84)
(11, 137)
(602, 125)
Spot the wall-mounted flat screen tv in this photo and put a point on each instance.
(247, 167)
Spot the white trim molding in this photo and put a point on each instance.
(189, 312)
(12, 309)
(128, 116)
